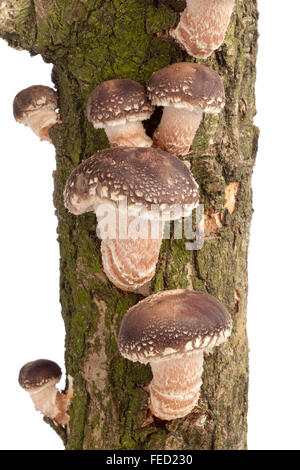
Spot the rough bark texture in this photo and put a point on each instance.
(96, 40)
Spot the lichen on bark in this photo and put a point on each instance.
(89, 42)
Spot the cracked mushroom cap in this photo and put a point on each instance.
(34, 98)
(173, 323)
(187, 85)
(116, 102)
(146, 176)
(39, 373)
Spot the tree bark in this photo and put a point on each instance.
(96, 40)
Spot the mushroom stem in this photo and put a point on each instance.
(40, 122)
(51, 403)
(130, 262)
(174, 390)
(202, 26)
(176, 130)
(131, 134)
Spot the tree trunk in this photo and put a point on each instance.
(96, 40)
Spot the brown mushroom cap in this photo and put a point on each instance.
(36, 374)
(34, 98)
(173, 323)
(146, 176)
(187, 85)
(116, 102)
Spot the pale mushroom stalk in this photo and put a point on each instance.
(51, 403)
(130, 134)
(130, 261)
(41, 121)
(174, 389)
(130, 264)
(202, 26)
(177, 129)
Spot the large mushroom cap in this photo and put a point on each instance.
(146, 176)
(38, 373)
(171, 323)
(116, 102)
(32, 99)
(187, 85)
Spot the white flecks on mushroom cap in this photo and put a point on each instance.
(154, 183)
(173, 323)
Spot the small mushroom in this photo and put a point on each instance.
(171, 330)
(39, 379)
(186, 90)
(35, 107)
(119, 106)
(145, 179)
(202, 26)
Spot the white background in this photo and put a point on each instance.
(31, 323)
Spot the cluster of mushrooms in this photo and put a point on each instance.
(171, 329)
